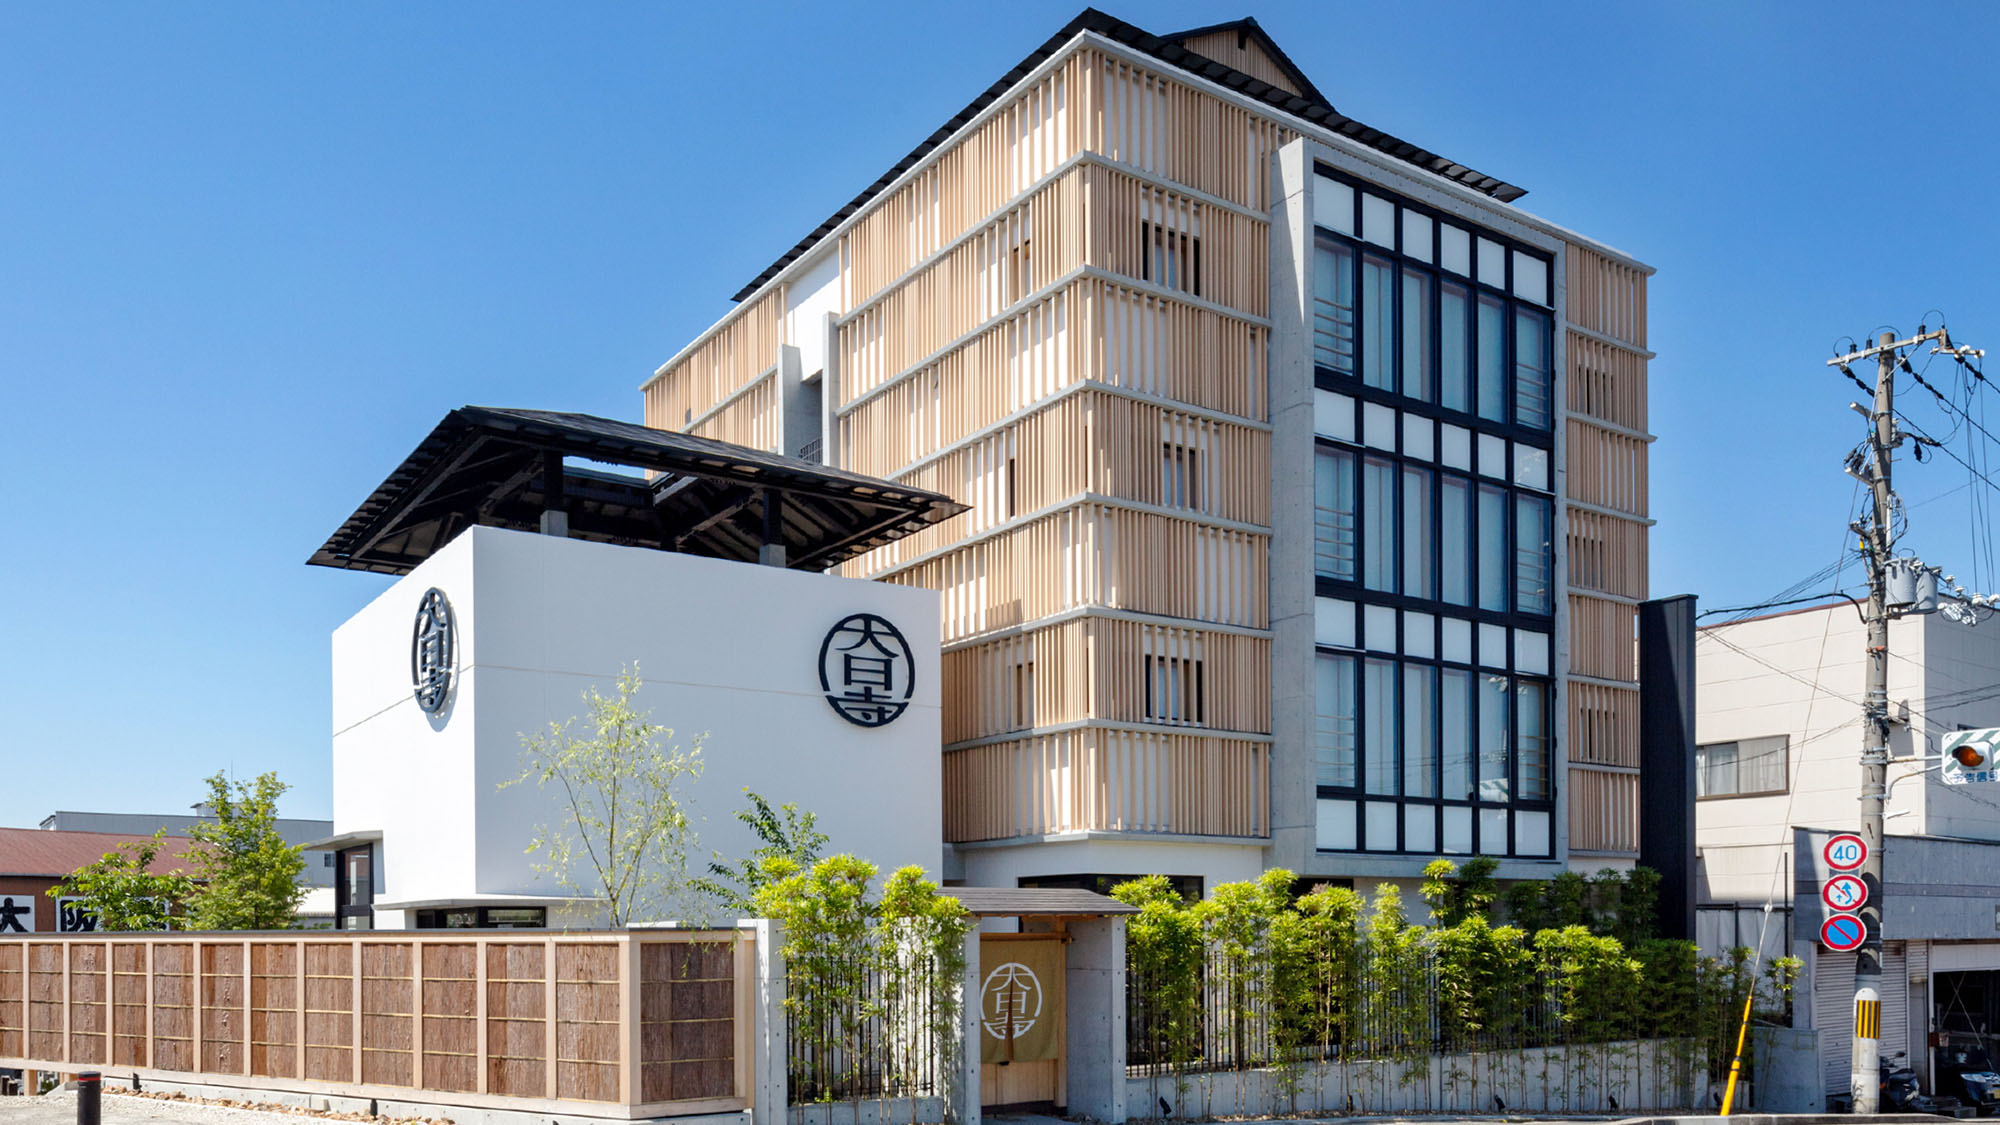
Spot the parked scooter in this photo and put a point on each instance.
(1899, 1092)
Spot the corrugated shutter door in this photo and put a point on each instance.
(1895, 1000)
(1833, 1015)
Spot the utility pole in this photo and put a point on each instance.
(1877, 542)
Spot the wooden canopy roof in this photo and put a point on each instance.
(498, 467)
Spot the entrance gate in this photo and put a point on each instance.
(1023, 1038)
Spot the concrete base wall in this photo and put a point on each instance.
(1602, 1079)
(386, 1107)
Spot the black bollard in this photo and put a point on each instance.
(89, 1088)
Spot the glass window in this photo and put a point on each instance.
(1495, 726)
(1378, 220)
(1455, 539)
(1171, 258)
(1533, 375)
(1531, 739)
(1417, 335)
(1418, 552)
(1416, 235)
(1454, 348)
(1455, 249)
(1492, 372)
(1455, 720)
(1492, 264)
(1378, 323)
(1333, 514)
(1749, 767)
(1534, 555)
(1178, 470)
(1334, 727)
(1333, 204)
(1531, 278)
(1378, 733)
(1419, 730)
(1493, 561)
(1378, 529)
(1333, 307)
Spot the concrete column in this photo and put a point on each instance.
(767, 1068)
(964, 1097)
(1294, 810)
(1094, 1006)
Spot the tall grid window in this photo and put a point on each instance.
(1435, 504)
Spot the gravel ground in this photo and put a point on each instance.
(59, 1108)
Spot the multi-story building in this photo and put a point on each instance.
(1307, 473)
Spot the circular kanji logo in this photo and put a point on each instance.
(431, 652)
(867, 670)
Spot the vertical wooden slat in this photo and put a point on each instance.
(483, 1049)
(549, 1011)
(629, 1057)
(354, 961)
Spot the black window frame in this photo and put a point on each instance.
(483, 918)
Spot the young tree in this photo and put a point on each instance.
(122, 891)
(249, 875)
(785, 833)
(623, 834)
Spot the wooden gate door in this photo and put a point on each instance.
(1022, 1037)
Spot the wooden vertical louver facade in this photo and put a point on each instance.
(1605, 545)
(1060, 316)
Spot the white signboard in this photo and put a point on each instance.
(74, 916)
(1969, 757)
(17, 914)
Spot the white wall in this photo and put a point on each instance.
(726, 649)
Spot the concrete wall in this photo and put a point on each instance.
(1601, 1078)
(726, 650)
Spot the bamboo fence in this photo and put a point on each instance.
(627, 1025)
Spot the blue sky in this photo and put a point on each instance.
(249, 254)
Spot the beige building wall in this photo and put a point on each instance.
(1061, 317)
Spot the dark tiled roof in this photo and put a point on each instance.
(1312, 106)
(486, 465)
(1022, 901)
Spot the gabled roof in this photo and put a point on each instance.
(1308, 105)
(46, 853)
(1249, 33)
(490, 466)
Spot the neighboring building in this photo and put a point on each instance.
(32, 860)
(1778, 772)
(318, 872)
(1307, 473)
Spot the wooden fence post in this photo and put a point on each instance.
(631, 1085)
(146, 1039)
(249, 1007)
(417, 1013)
(197, 1064)
(549, 1012)
(479, 946)
(354, 996)
(299, 1011)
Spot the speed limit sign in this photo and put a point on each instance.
(1845, 852)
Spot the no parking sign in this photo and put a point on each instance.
(1843, 933)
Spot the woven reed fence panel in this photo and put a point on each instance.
(657, 1022)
